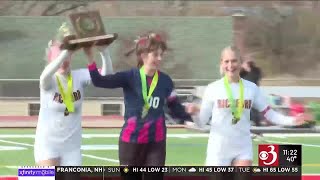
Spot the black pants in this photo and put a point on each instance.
(150, 154)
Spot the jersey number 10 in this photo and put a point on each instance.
(154, 102)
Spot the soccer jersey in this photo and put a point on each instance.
(224, 133)
(152, 127)
(56, 126)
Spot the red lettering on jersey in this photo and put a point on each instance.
(246, 104)
(58, 98)
(227, 105)
(76, 95)
(224, 103)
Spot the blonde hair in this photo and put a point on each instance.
(233, 49)
(63, 31)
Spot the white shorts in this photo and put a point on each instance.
(71, 157)
(219, 154)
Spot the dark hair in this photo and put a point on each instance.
(147, 44)
(251, 64)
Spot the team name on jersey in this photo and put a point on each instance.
(58, 98)
(224, 103)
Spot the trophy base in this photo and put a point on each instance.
(96, 40)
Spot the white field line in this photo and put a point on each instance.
(292, 135)
(16, 143)
(168, 135)
(17, 135)
(12, 167)
(85, 155)
(103, 135)
(283, 142)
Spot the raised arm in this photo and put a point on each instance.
(206, 107)
(106, 63)
(260, 103)
(57, 58)
(107, 67)
(117, 80)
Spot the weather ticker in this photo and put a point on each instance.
(275, 161)
(108, 172)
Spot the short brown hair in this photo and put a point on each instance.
(147, 44)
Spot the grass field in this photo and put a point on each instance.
(100, 148)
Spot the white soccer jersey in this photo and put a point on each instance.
(226, 139)
(56, 128)
(215, 104)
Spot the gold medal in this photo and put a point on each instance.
(145, 94)
(144, 111)
(66, 112)
(236, 108)
(235, 119)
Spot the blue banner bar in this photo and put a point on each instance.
(36, 172)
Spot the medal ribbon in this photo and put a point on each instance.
(236, 112)
(67, 97)
(153, 85)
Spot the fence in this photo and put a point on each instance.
(21, 96)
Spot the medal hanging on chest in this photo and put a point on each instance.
(236, 108)
(145, 94)
(66, 112)
(67, 96)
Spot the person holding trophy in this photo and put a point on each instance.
(58, 132)
(147, 90)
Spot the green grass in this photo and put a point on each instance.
(180, 151)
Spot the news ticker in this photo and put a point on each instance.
(167, 170)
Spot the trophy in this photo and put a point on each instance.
(89, 30)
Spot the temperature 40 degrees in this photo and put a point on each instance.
(291, 158)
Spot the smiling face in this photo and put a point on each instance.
(152, 60)
(150, 51)
(230, 62)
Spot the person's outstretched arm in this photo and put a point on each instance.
(117, 80)
(260, 103)
(175, 106)
(58, 58)
(107, 67)
(206, 107)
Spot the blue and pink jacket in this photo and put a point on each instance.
(152, 128)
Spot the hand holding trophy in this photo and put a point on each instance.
(64, 36)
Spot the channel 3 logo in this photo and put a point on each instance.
(268, 155)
